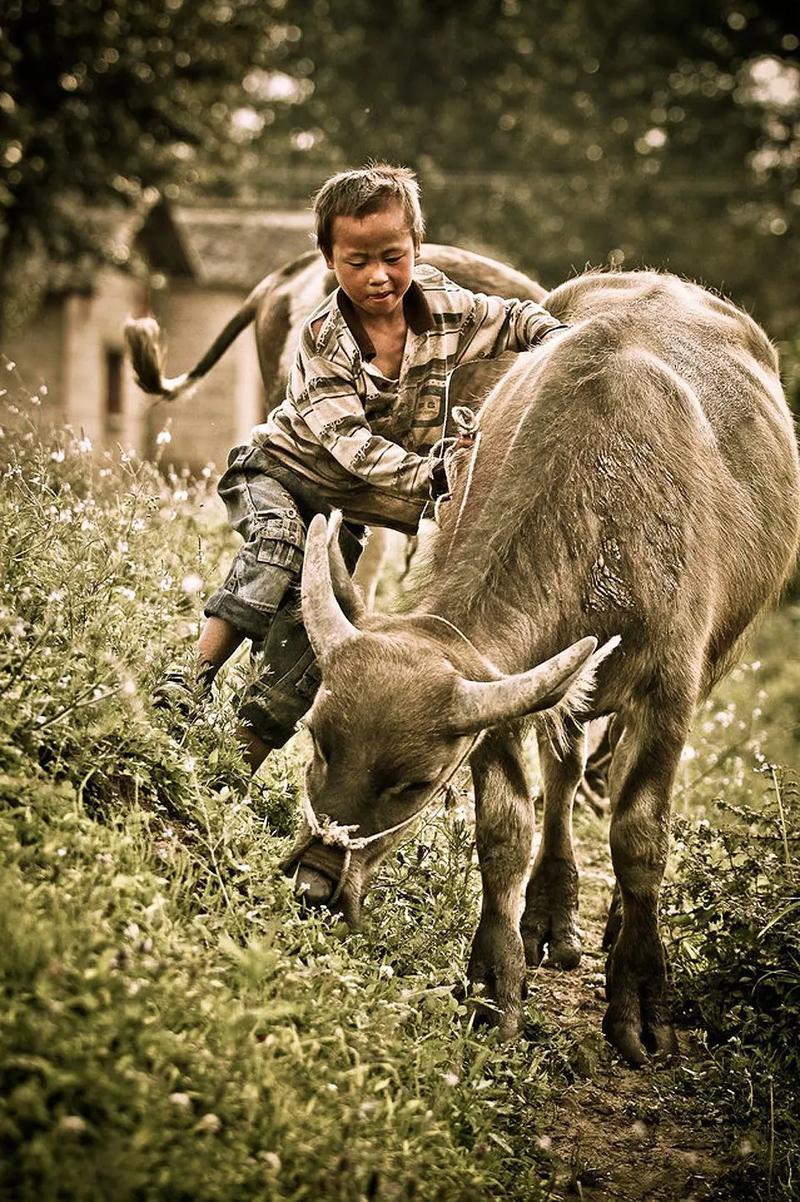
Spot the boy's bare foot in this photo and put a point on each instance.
(183, 692)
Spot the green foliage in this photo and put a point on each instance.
(733, 916)
(171, 1027)
(553, 134)
(562, 134)
(102, 101)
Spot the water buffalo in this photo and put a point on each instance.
(635, 477)
(279, 306)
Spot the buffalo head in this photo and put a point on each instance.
(396, 715)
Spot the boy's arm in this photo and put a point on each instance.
(327, 402)
(493, 325)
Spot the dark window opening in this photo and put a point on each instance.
(113, 391)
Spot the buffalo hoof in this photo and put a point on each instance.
(549, 928)
(637, 1022)
(486, 1013)
(640, 1042)
(497, 966)
(555, 944)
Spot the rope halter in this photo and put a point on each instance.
(340, 836)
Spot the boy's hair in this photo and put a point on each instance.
(358, 193)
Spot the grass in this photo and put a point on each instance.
(170, 1027)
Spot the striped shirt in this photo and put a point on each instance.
(362, 439)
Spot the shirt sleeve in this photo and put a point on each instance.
(493, 325)
(324, 395)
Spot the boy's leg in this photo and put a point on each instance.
(265, 514)
(262, 511)
(271, 708)
(217, 643)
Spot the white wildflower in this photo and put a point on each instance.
(180, 1099)
(85, 445)
(210, 1123)
(191, 583)
(163, 437)
(57, 456)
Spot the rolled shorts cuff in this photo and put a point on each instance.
(252, 622)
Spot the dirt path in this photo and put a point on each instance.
(611, 1133)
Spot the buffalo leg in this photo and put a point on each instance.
(638, 1019)
(504, 835)
(551, 900)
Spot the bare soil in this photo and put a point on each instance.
(617, 1132)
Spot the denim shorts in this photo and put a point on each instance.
(270, 507)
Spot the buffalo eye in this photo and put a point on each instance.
(414, 786)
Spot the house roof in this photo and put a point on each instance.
(215, 246)
(223, 247)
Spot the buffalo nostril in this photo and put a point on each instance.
(313, 887)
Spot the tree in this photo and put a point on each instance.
(561, 133)
(103, 100)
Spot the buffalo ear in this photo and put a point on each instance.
(480, 704)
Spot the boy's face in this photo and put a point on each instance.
(373, 259)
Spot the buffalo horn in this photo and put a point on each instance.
(479, 704)
(347, 593)
(324, 620)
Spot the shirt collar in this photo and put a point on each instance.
(415, 306)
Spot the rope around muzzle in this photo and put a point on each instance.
(340, 836)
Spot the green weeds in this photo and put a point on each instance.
(171, 1028)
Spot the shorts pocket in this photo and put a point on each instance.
(282, 542)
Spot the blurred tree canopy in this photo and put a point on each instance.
(554, 133)
(104, 101)
(563, 132)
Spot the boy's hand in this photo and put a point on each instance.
(438, 484)
(442, 460)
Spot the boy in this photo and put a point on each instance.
(365, 404)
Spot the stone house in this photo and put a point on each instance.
(201, 261)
